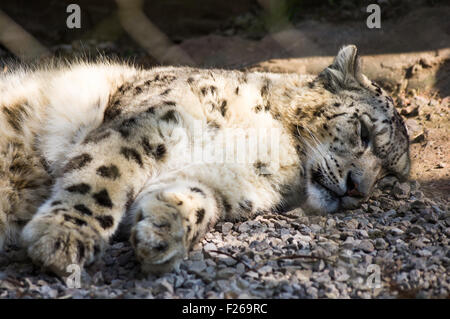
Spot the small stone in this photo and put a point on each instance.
(424, 252)
(227, 260)
(319, 265)
(387, 182)
(352, 223)
(416, 229)
(46, 290)
(252, 274)
(226, 228)
(196, 255)
(440, 165)
(366, 246)
(265, 270)
(240, 268)
(209, 247)
(198, 266)
(414, 185)
(401, 190)
(374, 209)
(396, 231)
(380, 243)
(414, 275)
(419, 138)
(312, 292)
(331, 223)
(340, 274)
(244, 227)
(410, 111)
(225, 273)
(303, 275)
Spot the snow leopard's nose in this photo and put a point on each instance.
(353, 188)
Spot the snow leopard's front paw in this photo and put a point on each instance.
(56, 241)
(158, 236)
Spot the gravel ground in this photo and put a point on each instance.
(395, 246)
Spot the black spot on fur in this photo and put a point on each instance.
(105, 221)
(200, 215)
(261, 168)
(227, 206)
(236, 91)
(96, 137)
(171, 103)
(160, 151)
(75, 220)
(81, 250)
(57, 210)
(165, 92)
(112, 110)
(56, 202)
(15, 115)
(81, 188)
(58, 244)
(77, 162)
(213, 124)
(137, 90)
(169, 116)
(265, 88)
(197, 190)
(162, 246)
(190, 80)
(335, 115)
(223, 108)
(148, 148)
(131, 154)
(102, 198)
(83, 209)
(337, 104)
(111, 171)
(130, 199)
(21, 222)
(126, 126)
(151, 110)
(258, 108)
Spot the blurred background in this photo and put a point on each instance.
(409, 55)
(217, 33)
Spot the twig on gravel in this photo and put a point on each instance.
(297, 256)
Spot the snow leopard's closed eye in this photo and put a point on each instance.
(355, 138)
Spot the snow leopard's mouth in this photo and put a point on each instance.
(328, 200)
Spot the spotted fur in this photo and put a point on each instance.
(81, 145)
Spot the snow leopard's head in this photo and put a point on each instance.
(351, 136)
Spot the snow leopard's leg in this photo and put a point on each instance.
(169, 218)
(92, 193)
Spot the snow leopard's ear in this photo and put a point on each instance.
(345, 71)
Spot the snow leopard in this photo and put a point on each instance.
(89, 148)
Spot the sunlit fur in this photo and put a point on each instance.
(83, 143)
